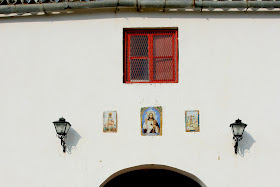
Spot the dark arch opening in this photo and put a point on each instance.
(151, 177)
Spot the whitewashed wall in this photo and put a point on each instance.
(72, 66)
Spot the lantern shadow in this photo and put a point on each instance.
(245, 144)
(72, 140)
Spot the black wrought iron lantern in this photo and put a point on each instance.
(62, 127)
(237, 129)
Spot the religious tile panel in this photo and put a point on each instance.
(192, 121)
(151, 121)
(110, 122)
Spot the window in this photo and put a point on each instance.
(151, 56)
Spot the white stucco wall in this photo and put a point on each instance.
(72, 66)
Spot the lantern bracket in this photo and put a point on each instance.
(62, 141)
(63, 144)
(236, 139)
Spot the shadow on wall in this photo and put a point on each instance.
(72, 140)
(245, 144)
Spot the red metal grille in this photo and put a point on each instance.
(151, 56)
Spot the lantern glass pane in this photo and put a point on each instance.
(67, 128)
(60, 128)
(238, 129)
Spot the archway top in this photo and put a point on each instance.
(151, 167)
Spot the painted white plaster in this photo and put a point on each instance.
(72, 66)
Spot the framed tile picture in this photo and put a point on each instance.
(110, 121)
(192, 121)
(151, 121)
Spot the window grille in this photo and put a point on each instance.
(151, 56)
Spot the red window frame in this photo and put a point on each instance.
(150, 58)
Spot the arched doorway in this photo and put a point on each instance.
(152, 175)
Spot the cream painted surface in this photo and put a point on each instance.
(72, 66)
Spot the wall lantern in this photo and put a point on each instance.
(62, 127)
(237, 129)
